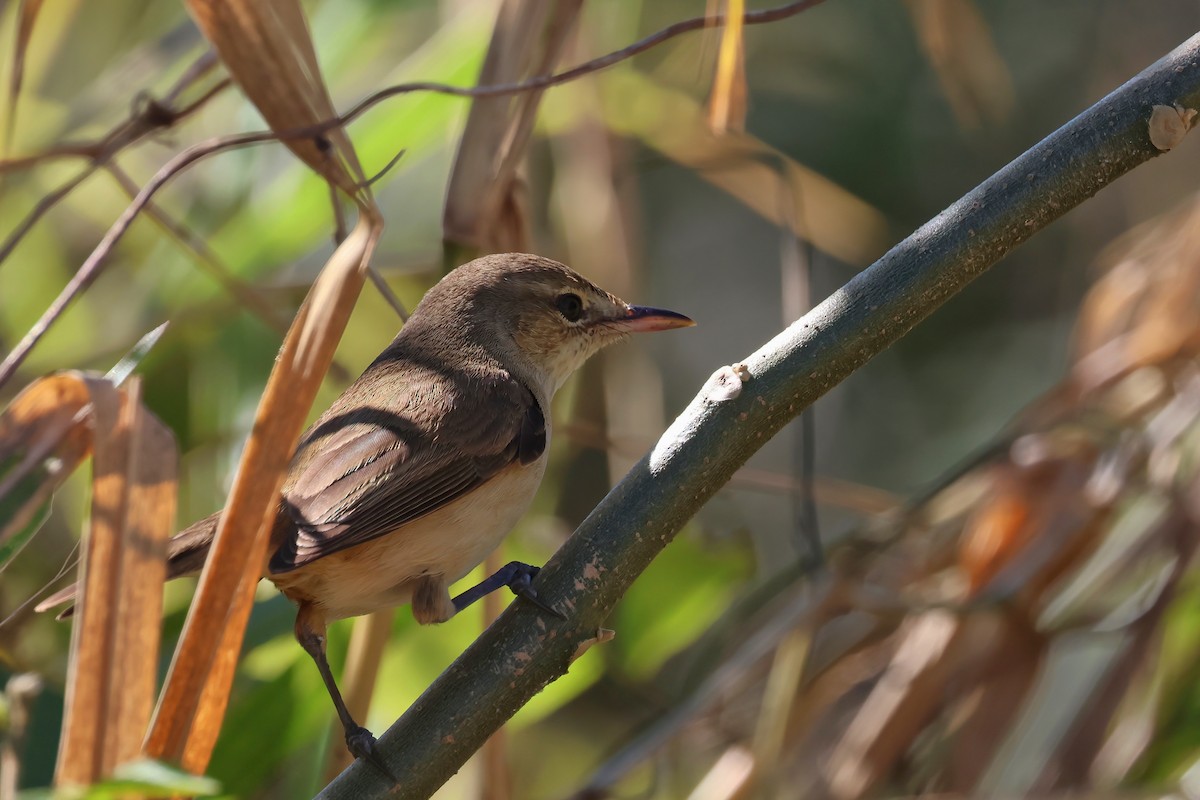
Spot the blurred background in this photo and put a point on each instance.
(862, 120)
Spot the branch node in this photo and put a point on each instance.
(1169, 124)
(602, 635)
(726, 383)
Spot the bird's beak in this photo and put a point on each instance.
(642, 319)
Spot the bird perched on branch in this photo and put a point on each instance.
(423, 465)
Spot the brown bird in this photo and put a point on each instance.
(423, 465)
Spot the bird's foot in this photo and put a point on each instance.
(361, 744)
(521, 584)
(516, 576)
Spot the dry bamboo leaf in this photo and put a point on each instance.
(727, 104)
(81, 755)
(482, 200)
(43, 437)
(27, 14)
(729, 779)
(1110, 306)
(193, 702)
(1075, 755)
(212, 688)
(149, 523)
(115, 639)
(779, 697)
(1135, 724)
(910, 690)
(266, 47)
(672, 123)
(1146, 307)
(973, 76)
(997, 529)
(1166, 321)
(1124, 574)
(1006, 655)
(1034, 546)
(1066, 685)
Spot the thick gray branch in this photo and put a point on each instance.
(729, 420)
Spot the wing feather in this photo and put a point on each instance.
(363, 472)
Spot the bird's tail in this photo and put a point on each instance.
(186, 554)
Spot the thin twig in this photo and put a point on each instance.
(246, 294)
(371, 181)
(388, 295)
(27, 13)
(149, 115)
(196, 70)
(92, 149)
(95, 262)
(586, 68)
(68, 566)
(47, 202)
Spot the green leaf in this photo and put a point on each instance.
(144, 776)
(10, 548)
(38, 794)
(15, 502)
(125, 367)
(148, 775)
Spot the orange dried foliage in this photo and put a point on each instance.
(728, 100)
(49, 429)
(486, 206)
(1046, 512)
(995, 531)
(266, 46)
(974, 78)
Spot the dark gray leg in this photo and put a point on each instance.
(516, 576)
(310, 633)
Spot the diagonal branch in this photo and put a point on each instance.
(741, 407)
(586, 68)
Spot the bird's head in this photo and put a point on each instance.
(543, 318)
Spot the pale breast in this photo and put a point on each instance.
(449, 542)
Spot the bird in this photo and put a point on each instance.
(422, 466)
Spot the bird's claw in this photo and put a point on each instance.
(361, 744)
(521, 585)
(518, 577)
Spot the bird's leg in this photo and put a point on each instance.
(310, 633)
(516, 576)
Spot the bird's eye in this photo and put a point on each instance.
(570, 306)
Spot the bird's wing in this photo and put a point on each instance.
(367, 472)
